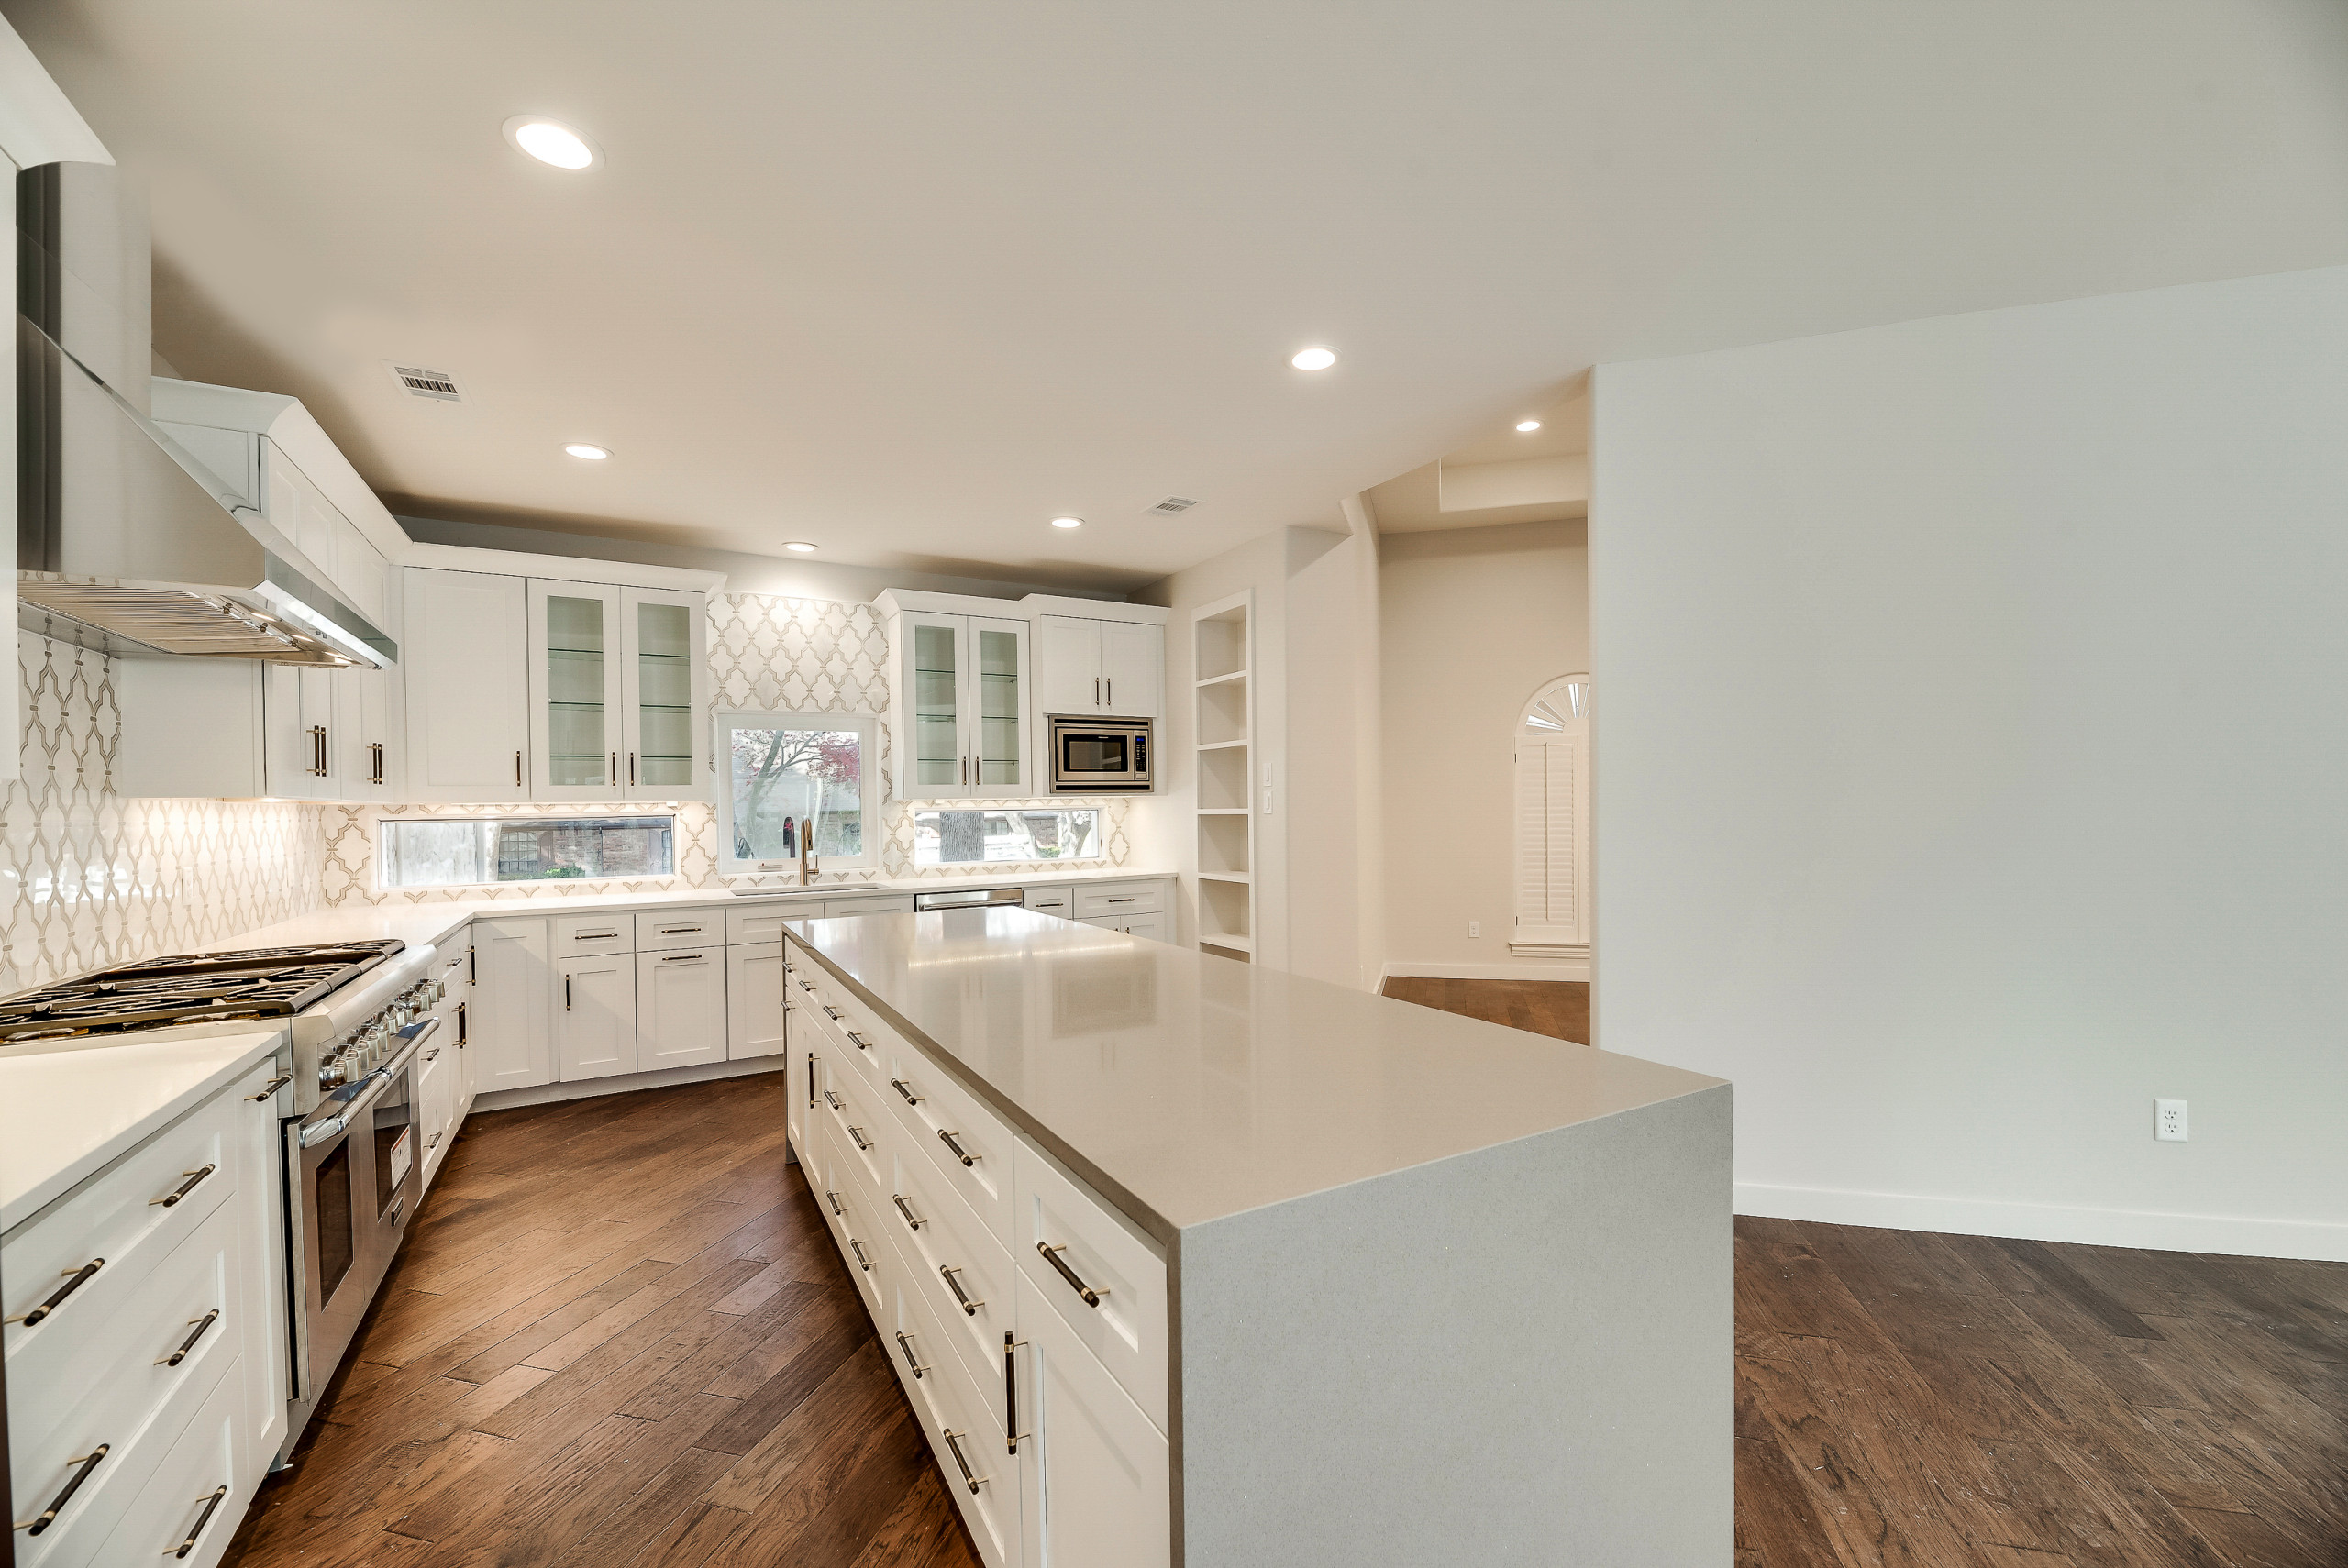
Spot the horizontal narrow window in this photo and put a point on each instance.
(954, 838)
(444, 852)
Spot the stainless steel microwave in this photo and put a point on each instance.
(1091, 755)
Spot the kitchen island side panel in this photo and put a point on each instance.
(1520, 1355)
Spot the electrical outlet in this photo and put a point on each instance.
(1475, 928)
(2168, 1121)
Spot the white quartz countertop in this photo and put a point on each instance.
(1187, 1087)
(418, 923)
(66, 1114)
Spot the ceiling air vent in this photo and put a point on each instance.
(440, 386)
(1172, 504)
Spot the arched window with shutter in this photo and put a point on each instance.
(1553, 821)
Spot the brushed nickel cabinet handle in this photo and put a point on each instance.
(906, 1210)
(861, 1146)
(906, 1344)
(188, 1345)
(1011, 1393)
(268, 1090)
(954, 1441)
(811, 1080)
(615, 771)
(200, 1521)
(48, 1516)
(631, 770)
(517, 770)
(1092, 1298)
(833, 1013)
(947, 1139)
(969, 1308)
(904, 1088)
(1113, 691)
(194, 1180)
(834, 1199)
(858, 1041)
(832, 1100)
(861, 1260)
(376, 749)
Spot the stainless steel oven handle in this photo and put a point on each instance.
(354, 1099)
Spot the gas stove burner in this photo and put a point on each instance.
(198, 987)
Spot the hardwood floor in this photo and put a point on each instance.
(1559, 1008)
(621, 1335)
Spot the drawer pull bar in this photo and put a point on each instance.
(268, 1090)
(74, 1279)
(1052, 1256)
(188, 1345)
(806, 985)
(861, 1260)
(906, 1345)
(833, 1013)
(685, 959)
(88, 1461)
(969, 1308)
(811, 1080)
(947, 1139)
(861, 1146)
(906, 1090)
(906, 1210)
(194, 1180)
(433, 1055)
(681, 930)
(200, 1521)
(1011, 1392)
(434, 1144)
(858, 1041)
(832, 1100)
(954, 1441)
(834, 1199)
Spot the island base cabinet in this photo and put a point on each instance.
(1095, 1474)
(507, 1021)
(192, 1504)
(981, 1476)
(594, 1017)
(754, 1001)
(681, 1008)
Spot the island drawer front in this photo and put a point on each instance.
(575, 936)
(202, 1460)
(764, 923)
(120, 1217)
(930, 1104)
(1120, 898)
(679, 928)
(1127, 1329)
(115, 1389)
(860, 1225)
(950, 1237)
(947, 1398)
(846, 1102)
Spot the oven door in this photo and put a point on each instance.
(1091, 756)
(352, 1183)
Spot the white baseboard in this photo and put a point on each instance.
(1554, 969)
(2046, 1223)
(625, 1083)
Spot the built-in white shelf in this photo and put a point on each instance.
(1225, 940)
(1223, 811)
(1223, 708)
(1220, 746)
(1239, 877)
(1224, 680)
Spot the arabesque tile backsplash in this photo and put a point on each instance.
(92, 879)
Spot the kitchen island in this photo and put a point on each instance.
(1188, 1261)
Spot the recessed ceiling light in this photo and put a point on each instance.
(1314, 358)
(589, 451)
(800, 548)
(552, 141)
(1067, 522)
(1528, 424)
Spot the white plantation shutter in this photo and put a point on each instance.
(1552, 818)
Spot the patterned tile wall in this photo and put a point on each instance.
(89, 878)
(791, 655)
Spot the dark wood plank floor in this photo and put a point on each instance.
(619, 1334)
(1559, 1008)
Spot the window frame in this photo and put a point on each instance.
(386, 824)
(867, 728)
(946, 808)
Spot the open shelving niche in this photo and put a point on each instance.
(1224, 698)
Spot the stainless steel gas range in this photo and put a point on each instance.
(357, 1016)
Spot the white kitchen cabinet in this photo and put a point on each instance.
(1095, 1480)
(665, 737)
(436, 1105)
(260, 1202)
(369, 722)
(1152, 926)
(594, 1017)
(1100, 668)
(574, 673)
(509, 1026)
(465, 656)
(680, 1019)
(754, 994)
(964, 733)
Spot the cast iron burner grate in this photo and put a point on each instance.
(156, 993)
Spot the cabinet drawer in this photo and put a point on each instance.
(679, 928)
(764, 923)
(1119, 898)
(855, 1214)
(875, 903)
(1050, 901)
(575, 935)
(196, 1496)
(960, 1421)
(969, 1144)
(1091, 1251)
(125, 1222)
(957, 1266)
(118, 1390)
(861, 1124)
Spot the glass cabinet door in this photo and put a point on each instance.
(999, 663)
(574, 637)
(660, 755)
(939, 760)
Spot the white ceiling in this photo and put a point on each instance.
(909, 279)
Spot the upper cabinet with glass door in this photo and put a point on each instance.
(961, 705)
(617, 676)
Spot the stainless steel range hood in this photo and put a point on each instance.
(124, 541)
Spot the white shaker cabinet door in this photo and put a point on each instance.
(665, 735)
(261, 1199)
(680, 1007)
(1094, 1475)
(1067, 666)
(594, 1017)
(1132, 670)
(465, 653)
(754, 1001)
(576, 707)
(508, 1026)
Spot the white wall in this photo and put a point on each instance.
(1974, 728)
(1474, 621)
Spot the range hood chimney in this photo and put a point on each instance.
(125, 542)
